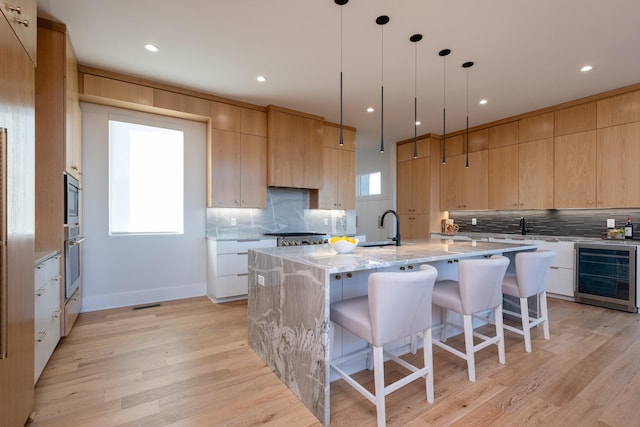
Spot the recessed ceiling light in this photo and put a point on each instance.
(370, 110)
(586, 68)
(261, 79)
(151, 47)
(483, 101)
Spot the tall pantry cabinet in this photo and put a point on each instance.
(17, 219)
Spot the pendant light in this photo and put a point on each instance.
(341, 3)
(415, 39)
(443, 53)
(382, 20)
(466, 66)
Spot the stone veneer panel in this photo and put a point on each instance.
(300, 330)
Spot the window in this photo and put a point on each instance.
(370, 184)
(146, 179)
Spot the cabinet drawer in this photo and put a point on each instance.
(565, 254)
(560, 281)
(235, 246)
(71, 310)
(229, 264)
(231, 286)
(46, 339)
(47, 303)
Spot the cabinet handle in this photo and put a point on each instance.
(349, 275)
(338, 277)
(41, 291)
(554, 268)
(16, 9)
(23, 22)
(402, 268)
(410, 267)
(57, 256)
(242, 253)
(56, 314)
(58, 277)
(242, 274)
(41, 336)
(39, 266)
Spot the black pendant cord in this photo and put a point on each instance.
(443, 53)
(341, 3)
(467, 65)
(415, 39)
(382, 20)
(382, 119)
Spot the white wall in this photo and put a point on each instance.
(130, 270)
(370, 208)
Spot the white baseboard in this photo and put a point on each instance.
(126, 299)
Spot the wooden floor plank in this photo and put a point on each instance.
(187, 363)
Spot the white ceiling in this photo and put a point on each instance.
(527, 54)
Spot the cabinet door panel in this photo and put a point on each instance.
(535, 174)
(451, 183)
(405, 186)
(475, 193)
(225, 169)
(253, 174)
(421, 188)
(346, 187)
(618, 183)
(575, 170)
(503, 177)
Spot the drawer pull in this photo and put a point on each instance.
(349, 275)
(411, 267)
(41, 291)
(23, 22)
(554, 268)
(58, 277)
(41, 336)
(242, 274)
(16, 9)
(242, 253)
(402, 268)
(40, 266)
(56, 314)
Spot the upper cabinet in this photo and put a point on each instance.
(237, 165)
(462, 187)
(339, 169)
(536, 127)
(58, 130)
(618, 149)
(294, 149)
(22, 16)
(535, 174)
(414, 187)
(575, 170)
(618, 110)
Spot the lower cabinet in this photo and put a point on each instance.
(560, 276)
(227, 267)
(48, 310)
(71, 310)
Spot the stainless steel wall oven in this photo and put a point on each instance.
(72, 260)
(606, 275)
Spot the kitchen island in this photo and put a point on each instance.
(291, 289)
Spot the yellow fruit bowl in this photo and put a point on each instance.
(343, 246)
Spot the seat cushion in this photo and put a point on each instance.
(510, 285)
(446, 293)
(353, 314)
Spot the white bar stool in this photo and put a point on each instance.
(478, 289)
(398, 305)
(529, 279)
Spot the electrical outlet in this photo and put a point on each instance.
(474, 221)
(611, 223)
(233, 221)
(260, 280)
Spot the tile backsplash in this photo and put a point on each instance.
(287, 211)
(578, 222)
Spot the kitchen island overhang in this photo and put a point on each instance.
(290, 292)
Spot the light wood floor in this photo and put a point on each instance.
(187, 363)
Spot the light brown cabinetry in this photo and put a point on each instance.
(620, 109)
(238, 170)
(618, 174)
(294, 149)
(119, 93)
(173, 101)
(575, 170)
(17, 225)
(575, 119)
(536, 127)
(339, 170)
(414, 188)
(463, 188)
(22, 16)
(535, 174)
(503, 177)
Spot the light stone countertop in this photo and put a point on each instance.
(411, 252)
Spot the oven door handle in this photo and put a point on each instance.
(77, 241)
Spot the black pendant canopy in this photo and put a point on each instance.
(443, 53)
(341, 3)
(415, 39)
(382, 20)
(467, 65)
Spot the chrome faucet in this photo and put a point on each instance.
(397, 238)
(523, 226)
